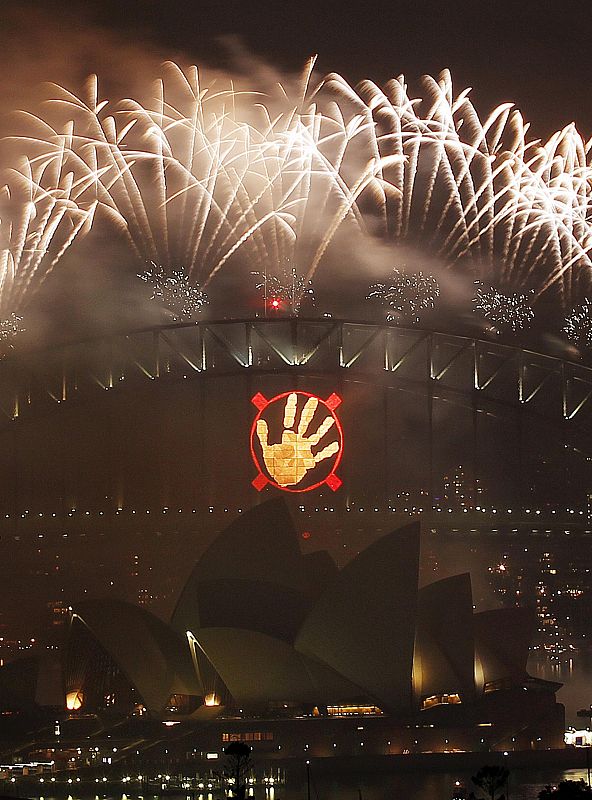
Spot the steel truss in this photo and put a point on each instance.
(481, 371)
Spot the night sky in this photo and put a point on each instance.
(534, 53)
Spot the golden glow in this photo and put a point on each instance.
(248, 736)
(74, 700)
(288, 461)
(211, 700)
(441, 700)
(479, 674)
(350, 711)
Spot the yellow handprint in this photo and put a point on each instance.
(290, 460)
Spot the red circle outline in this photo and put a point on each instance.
(266, 473)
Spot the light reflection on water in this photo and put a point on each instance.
(523, 785)
(576, 676)
(574, 673)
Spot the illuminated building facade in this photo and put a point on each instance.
(264, 632)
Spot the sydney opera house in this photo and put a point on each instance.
(272, 646)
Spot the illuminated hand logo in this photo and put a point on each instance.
(289, 461)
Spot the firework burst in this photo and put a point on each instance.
(9, 328)
(209, 177)
(44, 207)
(477, 191)
(288, 289)
(182, 299)
(408, 295)
(504, 311)
(578, 325)
(191, 178)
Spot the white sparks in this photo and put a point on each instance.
(511, 311)
(408, 295)
(578, 325)
(175, 291)
(286, 291)
(11, 327)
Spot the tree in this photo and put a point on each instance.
(567, 790)
(491, 779)
(238, 767)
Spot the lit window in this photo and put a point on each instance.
(440, 700)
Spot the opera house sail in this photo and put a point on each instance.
(264, 636)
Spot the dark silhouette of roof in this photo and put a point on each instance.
(154, 658)
(256, 562)
(502, 639)
(363, 625)
(444, 643)
(258, 668)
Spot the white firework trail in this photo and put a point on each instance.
(44, 206)
(478, 192)
(189, 181)
(213, 178)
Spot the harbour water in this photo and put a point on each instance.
(522, 785)
(427, 783)
(576, 676)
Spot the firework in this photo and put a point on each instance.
(475, 190)
(44, 207)
(407, 295)
(578, 324)
(169, 176)
(190, 181)
(174, 290)
(213, 178)
(9, 328)
(287, 290)
(511, 311)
